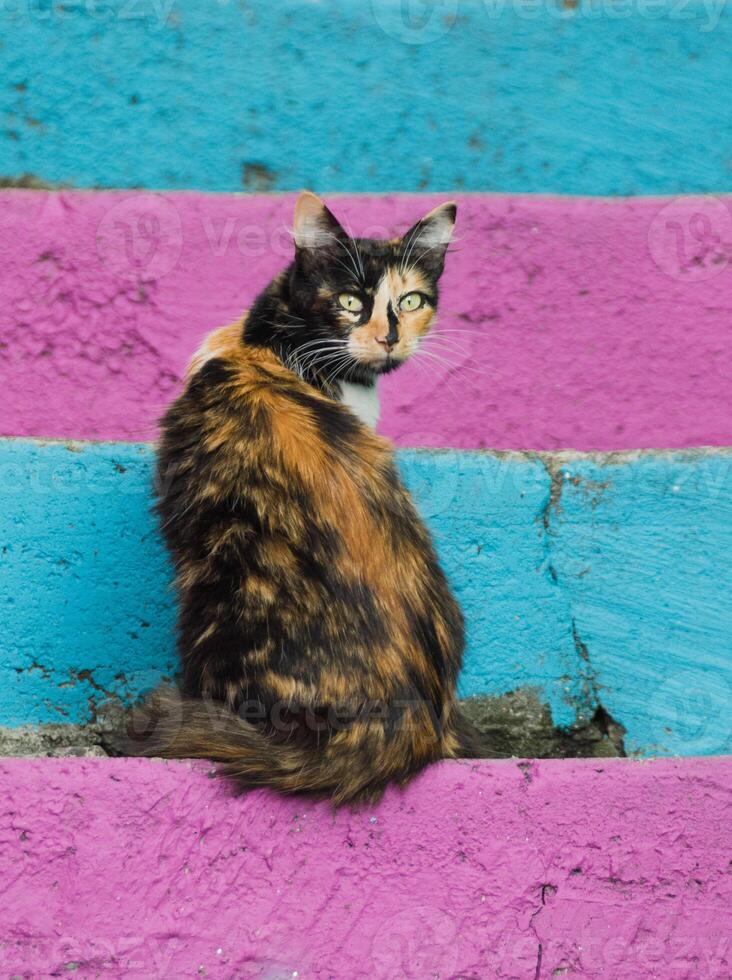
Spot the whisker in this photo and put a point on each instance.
(320, 345)
(454, 367)
(420, 256)
(430, 372)
(354, 267)
(449, 365)
(439, 329)
(438, 359)
(296, 359)
(356, 252)
(446, 344)
(318, 362)
(410, 247)
(314, 347)
(339, 363)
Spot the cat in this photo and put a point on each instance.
(319, 640)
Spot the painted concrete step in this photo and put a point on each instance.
(583, 98)
(525, 870)
(587, 579)
(565, 323)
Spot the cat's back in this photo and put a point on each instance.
(232, 383)
(280, 505)
(245, 419)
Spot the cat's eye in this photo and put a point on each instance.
(411, 302)
(349, 302)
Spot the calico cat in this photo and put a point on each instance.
(319, 640)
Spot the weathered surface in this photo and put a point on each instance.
(92, 738)
(599, 581)
(516, 870)
(581, 97)
(87, 605)
(514, 725)
(564, 323)
(52, 741)
(519, 725)
(639, 546)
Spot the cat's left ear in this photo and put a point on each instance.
(314, 226)
(427, 241)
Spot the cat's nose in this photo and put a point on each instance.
(389, 331)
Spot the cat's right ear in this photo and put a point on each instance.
(427, 241)
(314, 226)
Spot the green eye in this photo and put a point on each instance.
(348, 301)
(411, 302)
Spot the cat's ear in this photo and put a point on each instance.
(427, 241)
(314, 226)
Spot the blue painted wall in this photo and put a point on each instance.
(642, 549)
(598, 578)
(87, 608)
(352, 95)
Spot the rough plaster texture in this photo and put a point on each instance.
(581, 98)
(596, 580)
(525, 870)
(580, 324)
(516, 725)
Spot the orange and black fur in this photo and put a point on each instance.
(319, 640)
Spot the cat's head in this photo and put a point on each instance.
(370, 301)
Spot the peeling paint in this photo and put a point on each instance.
(518, 724)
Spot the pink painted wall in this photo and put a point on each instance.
(516, 870)
(590, 324)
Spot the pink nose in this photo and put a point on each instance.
(385, 343)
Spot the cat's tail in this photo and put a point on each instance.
(355, 763)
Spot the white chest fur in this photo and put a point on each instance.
(363, 402)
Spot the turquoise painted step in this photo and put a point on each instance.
(352, 95)
(593, 578)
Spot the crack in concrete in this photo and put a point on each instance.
(587, 673)
(588, 706)
(546, 889)
(556, 473)
(539, 954)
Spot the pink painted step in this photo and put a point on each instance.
(591, 324)
(498, 869)
(578, 323)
